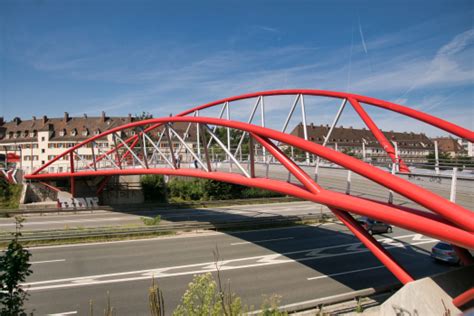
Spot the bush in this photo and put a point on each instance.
(215, 190)
(14, 268)
(252, 193)
(203, 297)
(154, 188)
(151, 221)
(186, 190)
(9, 194)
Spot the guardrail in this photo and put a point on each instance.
(146, 206)
(113, 232)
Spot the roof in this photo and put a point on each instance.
(449, 144)
(348, 136)
(62, 129)
(74, 129)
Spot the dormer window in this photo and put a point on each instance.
(10, 135)
(17, 134)
(62, 132)
(34, 133)
(85, 132)
(73, 132)
(97, 132)
(25, 134)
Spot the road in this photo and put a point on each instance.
(298, 263)
(120, 218)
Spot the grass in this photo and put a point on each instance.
(154, 221)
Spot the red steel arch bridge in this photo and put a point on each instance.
(149, 147)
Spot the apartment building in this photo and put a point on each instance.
(412, 147)
(36, 141)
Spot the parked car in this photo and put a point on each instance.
(444, 252)
(373, 226)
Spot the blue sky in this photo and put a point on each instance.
(165, 56)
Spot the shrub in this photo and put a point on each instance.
(215, 190)
(154, 188)
(14, 268)
(9, 194)
(252, 193)
(187, 190)
(151, 221)
(204, 298)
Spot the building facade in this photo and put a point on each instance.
(411, 147)
(34, 142)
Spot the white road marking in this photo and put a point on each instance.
(204, 234)
(48, 261)
(65, 313)
(346, 272)
(260, 241)
(198, 268)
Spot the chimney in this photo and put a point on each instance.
(45, 119)
(17, 120)
(66, 117)
(85, 115)
(103, 116)
(2, 120)
(34, 118)
(312, 125)
(129, 117)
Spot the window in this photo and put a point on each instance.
(97, 132)
(85, 132)
(34, 133)
(74, 132)
(42, 150)
(25, 134)
(42, 139)
(17, 134)
(62, 132)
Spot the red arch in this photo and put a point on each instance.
(452, 223)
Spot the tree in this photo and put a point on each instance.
(154, 188)
(14, 268)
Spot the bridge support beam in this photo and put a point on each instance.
(378, 135)
(464, 255)
(370, 242)
(72, 180)
(374, 246)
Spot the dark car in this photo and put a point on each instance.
(444, 252)
(373, 226)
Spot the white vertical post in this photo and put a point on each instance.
(227, 112)
(262, 114)
(335, 146)
(305, 127)
(364, 155)
(326, 139)
(348, 186)
(198, 136)
(436, 157)
(396, 155)
(452, 196)
(390, 192)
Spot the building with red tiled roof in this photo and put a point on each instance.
(412, 147)
(450, 146)
(39, 140)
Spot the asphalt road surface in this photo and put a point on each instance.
(298, 263)
(120, 218)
